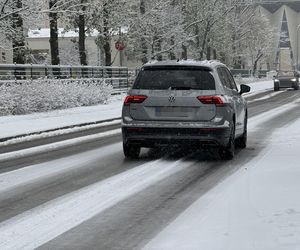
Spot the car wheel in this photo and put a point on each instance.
(276, 88)
(296, 87)
(242, 141)
(227, 152)
(131, 151)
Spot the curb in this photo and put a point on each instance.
(60, 128)
(28, 152)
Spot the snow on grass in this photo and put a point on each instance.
(39, 225)
(256, 208)
(45, 95)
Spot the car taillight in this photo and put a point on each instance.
(134, 99)
(216, 100)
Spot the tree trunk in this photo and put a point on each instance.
(172, 54)
(208, 51)
(143, 41)
(258, 57)
(214, 54)
(107, 42)
(18, 41)
(81, 42)
(184, 53)
(54, 50)
(204, 42)
(158, 48)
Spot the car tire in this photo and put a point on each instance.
(296, 87)
(131, 151)
(227, 152)
(242, 141)
(276, 88)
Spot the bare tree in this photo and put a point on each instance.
(53, 18)
(82, 36)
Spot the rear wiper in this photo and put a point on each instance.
(181, 88)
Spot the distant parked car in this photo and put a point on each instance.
(286, 79)
(185, 103)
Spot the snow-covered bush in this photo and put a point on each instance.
(45, 95)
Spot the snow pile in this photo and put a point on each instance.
(46, 95)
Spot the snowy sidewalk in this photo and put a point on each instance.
(24, 124)
(256, 208)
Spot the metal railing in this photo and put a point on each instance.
(116, 76)
(245, 73)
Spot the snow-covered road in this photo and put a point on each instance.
(97, 200)
(256, 208)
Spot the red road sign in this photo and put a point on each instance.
(119, 45)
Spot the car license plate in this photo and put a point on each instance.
(172, 111)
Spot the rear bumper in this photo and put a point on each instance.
(151, 136)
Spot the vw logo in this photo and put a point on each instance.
(172, 98)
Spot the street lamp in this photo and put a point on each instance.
(297, 60)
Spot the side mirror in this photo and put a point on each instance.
(244, 89)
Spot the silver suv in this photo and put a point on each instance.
(185, 102)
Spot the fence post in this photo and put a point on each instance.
(71, 72)
(46, 71)
(31, 71)
(127, 72)
(15, 72)
(59, 73)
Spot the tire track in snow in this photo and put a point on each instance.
(39, 225)
(39, 172)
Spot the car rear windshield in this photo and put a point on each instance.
(180, 78)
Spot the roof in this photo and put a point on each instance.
(62, 33)
(45, 33)
(206, 63)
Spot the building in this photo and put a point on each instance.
(38, 43)
(285, 17)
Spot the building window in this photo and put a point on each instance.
(3, 57)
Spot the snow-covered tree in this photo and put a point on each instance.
(155, 30)
(249, 38)
(15, 17)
